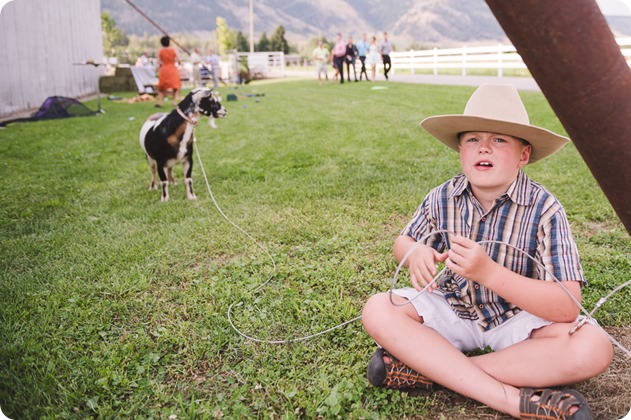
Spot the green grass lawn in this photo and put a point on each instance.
(113, 304)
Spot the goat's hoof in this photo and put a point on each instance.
(192, 197)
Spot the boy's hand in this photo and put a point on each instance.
(468, 259)
(423, 266)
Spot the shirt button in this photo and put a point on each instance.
(483, 219)
(481, 306)
(476, 286)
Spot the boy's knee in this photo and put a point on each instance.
(595, 352)
(602, 350)
(373, 312)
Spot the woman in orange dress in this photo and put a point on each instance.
(168, 75)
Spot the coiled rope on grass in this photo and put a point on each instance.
(588, 316)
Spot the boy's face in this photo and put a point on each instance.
(491, 161)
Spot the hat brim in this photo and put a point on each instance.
(447, 127)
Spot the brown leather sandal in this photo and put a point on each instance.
(394, 374)
(553, 404)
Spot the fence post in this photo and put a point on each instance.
(282, 64)
(435, 61)
(464, 60)
(411, 61)
(500, 69)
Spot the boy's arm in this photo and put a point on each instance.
(545, 299)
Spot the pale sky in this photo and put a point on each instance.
(2, 3)
(607, 7)
(615, 7)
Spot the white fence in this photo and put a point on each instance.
(498, 58)
(265, 64)
(262, 65)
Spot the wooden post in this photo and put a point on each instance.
(500, 64)
(572, 54)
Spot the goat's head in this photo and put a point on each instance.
(208, 102)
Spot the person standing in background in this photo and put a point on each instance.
(385, 48)
(143, 60)
(339, 54)
(321, 56)
(196, 60)
(362, 50)
(373, 58)
(215, 68)
(168, 75)
(351, 57)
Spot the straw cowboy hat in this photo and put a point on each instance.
(495, 109)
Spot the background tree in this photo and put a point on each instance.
(278, 41)
(242, 43)
(113, 36)
(225, 36)
(264, 43)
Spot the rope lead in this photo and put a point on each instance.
(587, 317)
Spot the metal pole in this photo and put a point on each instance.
(251, 26)
(572, 54)
(151, 21)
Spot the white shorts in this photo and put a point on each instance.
(467, 335)
(321, 68)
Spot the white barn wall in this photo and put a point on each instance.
(40, 40)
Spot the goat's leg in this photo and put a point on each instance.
(163, 182)
(170, 178)
(188, 180)
(154, 169)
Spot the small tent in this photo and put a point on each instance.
(56, 107)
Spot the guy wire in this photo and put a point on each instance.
(159, 28)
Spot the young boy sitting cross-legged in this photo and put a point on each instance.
(490, 295)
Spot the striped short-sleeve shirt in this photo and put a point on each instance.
(527, 216)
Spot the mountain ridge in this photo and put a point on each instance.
(422, 23)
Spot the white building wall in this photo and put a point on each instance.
(40, 42)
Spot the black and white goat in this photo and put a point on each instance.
(168, 139)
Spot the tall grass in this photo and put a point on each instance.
(115, 305)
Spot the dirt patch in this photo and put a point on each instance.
(609, 394)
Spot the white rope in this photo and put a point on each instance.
(212, 196)
(238, 303)
(587, 315)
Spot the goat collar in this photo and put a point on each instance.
(186, 117)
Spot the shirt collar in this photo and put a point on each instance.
(519, 191)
